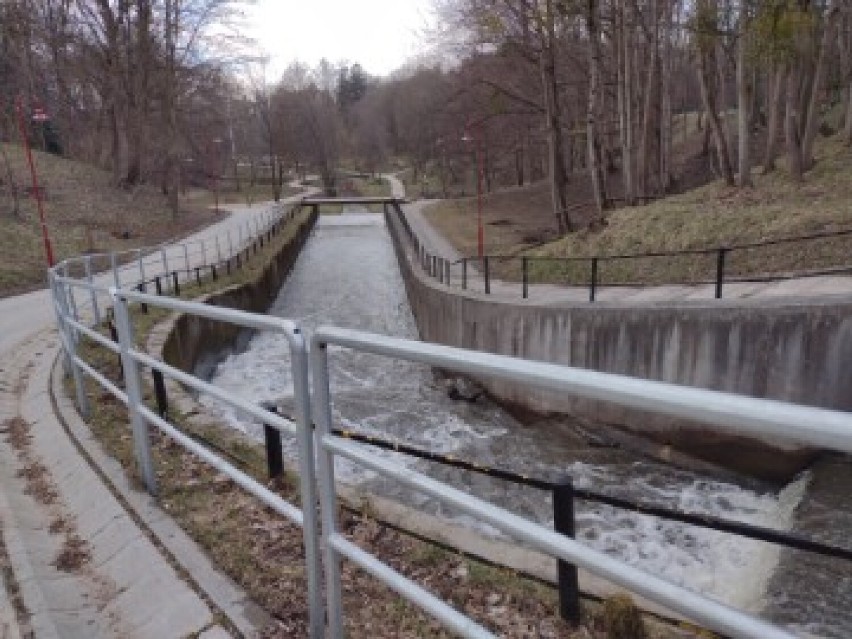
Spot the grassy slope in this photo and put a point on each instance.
(710, 216)
(83, 212)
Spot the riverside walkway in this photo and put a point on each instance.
(551, 294)
(76, 562)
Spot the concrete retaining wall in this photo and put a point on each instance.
(795, 350)
(197, 343)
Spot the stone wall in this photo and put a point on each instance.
(794, 350)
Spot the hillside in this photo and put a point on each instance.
(709, 216)
(83, 213)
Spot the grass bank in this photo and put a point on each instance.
(707, 217)
(83, 213)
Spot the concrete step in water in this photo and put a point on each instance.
(810, 591)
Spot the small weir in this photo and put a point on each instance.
(347, 275)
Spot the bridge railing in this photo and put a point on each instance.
(317, 439)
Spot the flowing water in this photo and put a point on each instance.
(347, 276)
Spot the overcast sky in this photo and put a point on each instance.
(379, 34)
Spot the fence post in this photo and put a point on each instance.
(116, 280)
(186, 258)
(720, 271)
(448, 265)
(230, 245)
(141, 438)
(218, 251)
(94, 296)
(563, 523)
(69, 341)
(525, 276)
(486, 274)
(198, 276)
(272, 440)
(593, 281)
(203, 252)
(158, 285)
(327, 492)
(113, 333)
(165, 262)
(141, 265)
(176, 283)
(160, 393)
(464, 273)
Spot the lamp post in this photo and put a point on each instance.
(470, 136)
(48, 248)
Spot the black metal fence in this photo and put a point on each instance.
(766, 261)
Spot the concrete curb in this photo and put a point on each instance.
(182, 552)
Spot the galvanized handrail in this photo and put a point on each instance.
(830, 429)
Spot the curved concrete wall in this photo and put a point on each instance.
(795, 350)
(197, 343)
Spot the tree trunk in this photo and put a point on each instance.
(791, 125)
(847, 127)
(707, 78)
(743, 102)
(592, 138)
(13, 185)
(665, 123)
(651, 110)
(555, 148)
(816, 87)
(625, 103)
(779, 81)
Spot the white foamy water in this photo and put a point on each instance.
(348, 276)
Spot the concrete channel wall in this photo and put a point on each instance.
(197, 343)
(795, 350)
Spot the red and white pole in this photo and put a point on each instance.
(48, 249)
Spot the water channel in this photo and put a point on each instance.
(348, 276)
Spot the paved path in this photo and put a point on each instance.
(76, 563)
(555, 295)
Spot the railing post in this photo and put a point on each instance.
(563, 522)
(720, 271)
(486, 274)
(116, 280)
(272, 441)
(328, 496)
(447, 278)
(93, 296)
(165, 262)
(464, 273)
(141, 265)
(160, 393)
(525, 276)
(158, 285)
(593, 280)
(113, 334)
(176, 283)
(141, 438)
(69, 341)
(198, 275)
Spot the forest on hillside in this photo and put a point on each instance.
(634, 99)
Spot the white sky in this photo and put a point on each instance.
(379, 34)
